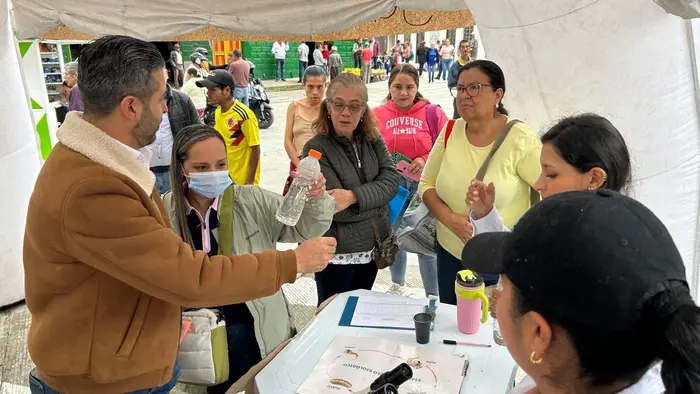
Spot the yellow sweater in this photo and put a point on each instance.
(513, 169)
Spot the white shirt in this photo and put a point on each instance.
(650, 383)
(143, 156)
(280, 50)
(303, 53)
(162, 149)
(178, 58)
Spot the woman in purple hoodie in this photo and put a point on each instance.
(409, 125)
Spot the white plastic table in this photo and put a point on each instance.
(491, 370)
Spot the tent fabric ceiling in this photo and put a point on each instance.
(399, 22)
(686, 9)
(161, 19)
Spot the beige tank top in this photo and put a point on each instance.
(302, 132)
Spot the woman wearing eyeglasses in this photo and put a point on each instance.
(456, 158)
(360, 176)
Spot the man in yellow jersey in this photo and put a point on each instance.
(238, 125)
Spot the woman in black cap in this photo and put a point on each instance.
(594, 296)
(580, 152)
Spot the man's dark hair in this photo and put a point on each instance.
(237, 53)
(113, 67)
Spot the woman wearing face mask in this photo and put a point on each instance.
(361, 178)
(409, 125)
(458, 155)
(199, 166)
(595, 298)
(580, 152)
(300, 115)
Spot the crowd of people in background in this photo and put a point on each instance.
(594, 292)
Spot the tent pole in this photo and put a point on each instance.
(19, 159)
(692, 49)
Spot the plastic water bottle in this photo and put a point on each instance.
(293, 204)
(496, 327)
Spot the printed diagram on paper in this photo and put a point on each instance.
(380, 312)
(351, 364)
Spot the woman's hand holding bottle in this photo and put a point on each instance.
(480, 198)
(317, 189)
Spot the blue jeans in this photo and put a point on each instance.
(162, 182)
(445, 64)
(302, 69)
(241, 94)
(426, 264)
(36, 386)
(447, 268)
(280, 68)
(431, 72)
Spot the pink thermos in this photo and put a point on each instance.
(472, 304)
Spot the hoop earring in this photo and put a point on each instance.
(532, 359)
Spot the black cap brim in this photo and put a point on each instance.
(205, 83)
(484, 253)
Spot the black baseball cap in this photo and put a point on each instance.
(593, 257)
(217, 79)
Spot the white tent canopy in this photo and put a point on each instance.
(626, 59)
(160, 20)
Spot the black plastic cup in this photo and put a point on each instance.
(422, 321)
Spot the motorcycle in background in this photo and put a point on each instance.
(259, 103)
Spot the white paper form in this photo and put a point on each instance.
(386, 313)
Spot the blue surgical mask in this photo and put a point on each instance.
(209, 184)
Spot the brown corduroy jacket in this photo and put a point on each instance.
(106, 277)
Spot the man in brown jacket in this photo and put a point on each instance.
(106, 277)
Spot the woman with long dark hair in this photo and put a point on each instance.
(204, 200)
(300, 115)
(578, 153)
(410, 125)
(595, 298)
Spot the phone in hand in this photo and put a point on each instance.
(404, 168)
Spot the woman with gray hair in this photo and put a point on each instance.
(300, 115)
(75, 100)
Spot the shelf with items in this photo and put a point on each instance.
(52, 68)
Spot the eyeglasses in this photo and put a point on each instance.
(339, 106)
(472, 90)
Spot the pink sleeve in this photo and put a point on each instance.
(441, 122)
(442, 118)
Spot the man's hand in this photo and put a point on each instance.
(461, 226)
(417, 165)
(313, 255)
(480, 198)
(343, 199)
(317, 189)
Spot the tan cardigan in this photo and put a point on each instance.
(106, 277)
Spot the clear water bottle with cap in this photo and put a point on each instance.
(293, 204)
(496, 327)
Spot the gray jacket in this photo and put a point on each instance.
(374, 183)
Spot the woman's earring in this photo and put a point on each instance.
(532, 359)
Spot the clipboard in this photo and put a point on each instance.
(346, 318)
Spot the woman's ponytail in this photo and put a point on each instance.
(501, 109)
(674, 328)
